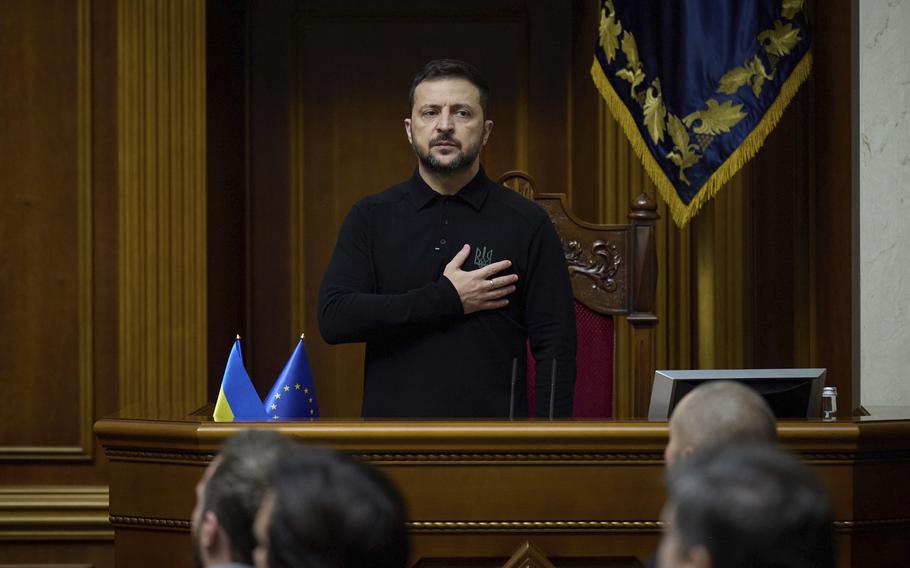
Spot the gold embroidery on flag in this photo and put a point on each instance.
(716, 118)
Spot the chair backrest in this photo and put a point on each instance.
(613, 270)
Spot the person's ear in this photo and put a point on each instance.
(687, 451)
(487, 130)
(407, 130)
(210, 531)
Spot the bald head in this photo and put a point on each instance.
(718, 413)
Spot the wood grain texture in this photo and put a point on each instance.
(162, 201)
(46, 230)
(55, 513)
(832, 173)
(574, 489)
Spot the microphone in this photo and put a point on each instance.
(512, 400)
(552, 387)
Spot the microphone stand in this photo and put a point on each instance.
(512, 400)
(552, 387)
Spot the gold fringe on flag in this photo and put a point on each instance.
(681, 212)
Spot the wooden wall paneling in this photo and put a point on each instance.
(55, 265)
(51, 525)
(46, 228)
(490, 550)
(297, 198)
(583, 124)
(675, 345)
(54, 565)
(722, 277)
(271, 334)
(227, 45)
(549, 63)
(60, 557)
(85, 223)
(832, 165)
(105, 361)
(162, 202)
(781, 234)
(59, 512)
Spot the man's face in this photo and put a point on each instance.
(447, 128)
(261, 530)
(196, 519)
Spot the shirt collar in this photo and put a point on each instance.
(474, 193)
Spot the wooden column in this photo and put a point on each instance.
(161, 201)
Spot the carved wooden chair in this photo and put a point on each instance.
(613, 270)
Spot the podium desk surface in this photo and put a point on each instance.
(480, 491)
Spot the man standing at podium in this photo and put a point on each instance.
(448, 276)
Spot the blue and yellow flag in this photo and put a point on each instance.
(237, 399)
(697, 85)
(293, 397)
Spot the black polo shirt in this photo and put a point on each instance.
(425, 358)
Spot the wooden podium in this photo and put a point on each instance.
(482, 493)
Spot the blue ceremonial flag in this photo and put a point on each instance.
(237, 399)
(697, 85)
(293, 397)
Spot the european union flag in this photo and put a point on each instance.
(697, 85)
(293, 397)
(237, 399)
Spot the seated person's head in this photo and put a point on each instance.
(745, 506)
(229, 494)
(329, 510)
(717, 413)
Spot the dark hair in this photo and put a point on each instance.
(235, 490)
(333, 511)
(751, 506)
(443, 68)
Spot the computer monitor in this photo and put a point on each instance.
(791, 393)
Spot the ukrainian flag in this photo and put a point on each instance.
(237, 399)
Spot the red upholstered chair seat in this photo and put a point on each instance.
(613, 272)
(594, 364)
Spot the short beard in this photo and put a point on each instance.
(463, 162)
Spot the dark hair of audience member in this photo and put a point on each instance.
(235, 490)
(453, 68)
(751, 506)
(332, 510)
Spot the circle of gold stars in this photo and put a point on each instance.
(287, 388)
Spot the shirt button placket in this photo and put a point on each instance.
(443, 241)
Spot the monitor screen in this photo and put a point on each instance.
(791, 393)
